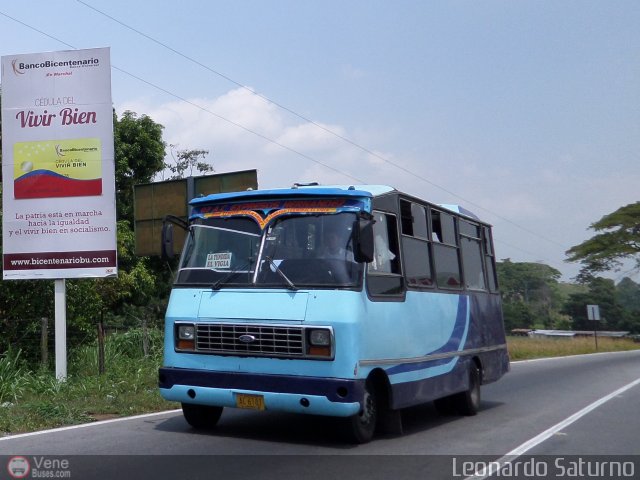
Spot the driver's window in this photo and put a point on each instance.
(384, 279)
(385, 259)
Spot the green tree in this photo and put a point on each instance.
(617, 240)
(188, 161)
(517, 314)
(628, 296)
(139, 156)
(602, 292)
(530, 293)
(0, 133)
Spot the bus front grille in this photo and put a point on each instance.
(250, 340)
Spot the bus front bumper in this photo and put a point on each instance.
(287, 393)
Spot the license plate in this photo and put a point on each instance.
(252, 402)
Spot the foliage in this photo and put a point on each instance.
(188, 161)
(139, 156)
(517, 314)
(35, 400)
(601, 292)
(532, 297)
(0, 131)
(119, 347)
(22, 305)
(524, 348)
(527, 281)
(530, 294)
(12, 371)
(617, 240)
(628, 294)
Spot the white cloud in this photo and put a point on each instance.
(310, 138)
(242, 130)
(552, 198)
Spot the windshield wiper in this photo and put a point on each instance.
(221, 281)
(290, 284)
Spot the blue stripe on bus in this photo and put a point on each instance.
(455, 342)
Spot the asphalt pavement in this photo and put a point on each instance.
(532, 399)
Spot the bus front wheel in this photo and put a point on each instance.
(361, 427)
(201, 417)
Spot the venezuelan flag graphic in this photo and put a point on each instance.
(57, 168)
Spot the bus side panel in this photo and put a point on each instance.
(424, 322)
(435, 326)
(487, 331)
(407, 394)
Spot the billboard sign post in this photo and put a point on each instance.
(58, 169)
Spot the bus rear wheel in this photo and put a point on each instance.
(201, 417)
(361, 427)
(468, 402)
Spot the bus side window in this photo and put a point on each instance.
(385, 258)
(445, 250)
(472, 255)
(436, 227)
(489, 260)
(384, 273)
(415, 246)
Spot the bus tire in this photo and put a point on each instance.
(201, 417)
(468, 402)
(361, 427)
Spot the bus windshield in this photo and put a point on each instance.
(294, 251)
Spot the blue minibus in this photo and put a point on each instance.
(346, 301)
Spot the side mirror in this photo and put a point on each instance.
(363, 240)
(166, 249)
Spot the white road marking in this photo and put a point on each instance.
(85, 425)
(538, 439)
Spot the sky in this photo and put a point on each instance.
(524, 112)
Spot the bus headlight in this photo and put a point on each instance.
(319, 342)
(186, 332)
(320, 338)
(185, 337)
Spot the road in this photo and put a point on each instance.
(528, 412)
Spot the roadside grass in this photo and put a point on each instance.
(33, 400)
(526, 348)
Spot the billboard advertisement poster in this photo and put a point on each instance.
(58, 170)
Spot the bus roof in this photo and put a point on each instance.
(460, 210)
(297, 191)
(367, 191)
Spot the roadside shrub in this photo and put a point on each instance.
(13, 376)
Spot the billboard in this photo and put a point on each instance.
(58, 170)
(152, 201)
